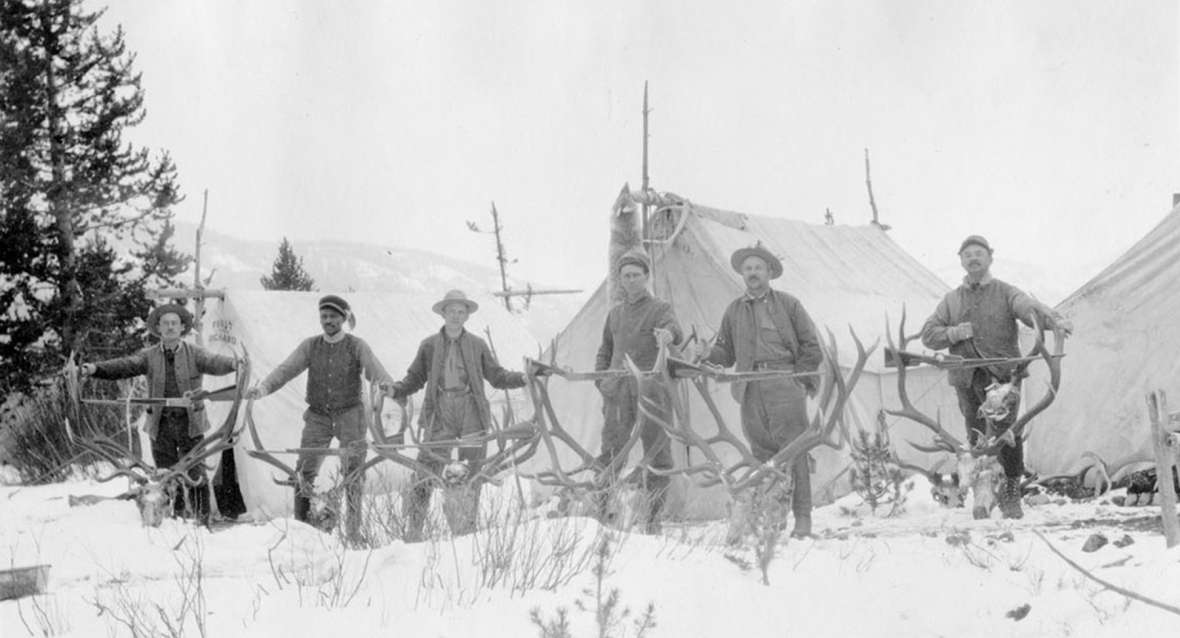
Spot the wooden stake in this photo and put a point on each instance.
(1165, 460)
(198, 285)
(872, 201)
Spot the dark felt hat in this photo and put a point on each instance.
(334, 302)
(634, 257)
(976, 240)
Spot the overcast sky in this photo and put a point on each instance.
(1053, 128)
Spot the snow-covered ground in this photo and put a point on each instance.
(924, 572)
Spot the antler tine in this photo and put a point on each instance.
(221, 439)
(391, 452)
(907, 407)
(556, 476)
(1053, 360)
(516, 452)
(821, 428)
(259, 452)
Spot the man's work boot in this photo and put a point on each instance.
(302, 508)
(1010, 499)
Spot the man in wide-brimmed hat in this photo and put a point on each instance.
(976, 320)
(767, 329)
(335, 362)
(174, 368)
(637, 326)
(452, 364)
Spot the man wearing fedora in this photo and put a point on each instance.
(637, 326)
(767, 329)
(978, 320)
(452, 364)
(174, 369)
(335, 362)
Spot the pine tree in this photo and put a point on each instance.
(71, 189)
(287, 272)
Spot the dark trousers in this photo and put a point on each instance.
(774, 413)
(172, 442)
(348, 426)
(1011, 457)
(620, 412)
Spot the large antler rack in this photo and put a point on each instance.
(552, 434)
(748, 470)
(516, 444)
(944, 441)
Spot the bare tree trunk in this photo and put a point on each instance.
(69, 290)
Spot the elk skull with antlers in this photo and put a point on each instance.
(978, 469)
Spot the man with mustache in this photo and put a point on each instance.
(174, 368)
(978, 320)
(335, 362)
(767, 329)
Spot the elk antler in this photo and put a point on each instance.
(944, 441)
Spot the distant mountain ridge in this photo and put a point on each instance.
(342, 267)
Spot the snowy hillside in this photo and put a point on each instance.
(338, 266)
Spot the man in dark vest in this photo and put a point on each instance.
(174, 368)
(767, 329)
(335, 362)
(978, 320)
(452, 364)
(637, 326)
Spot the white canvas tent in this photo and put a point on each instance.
(844, 276)
(270, 324)
(1125, 343)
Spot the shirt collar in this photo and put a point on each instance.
(446, 337)
(638, 298)
(967, 283)
(337, 338)
(762, 297)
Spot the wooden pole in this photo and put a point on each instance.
(646, 184)
(199, 310)
(872, 201)
(1165, 460)
(500, 257)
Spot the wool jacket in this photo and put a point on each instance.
(190, 363)
(334, 371)
(992, 307)
(629, 330)
(427, 369)
(737, 339)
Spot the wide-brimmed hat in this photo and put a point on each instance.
(757, 250)
(977, 240)
(455, 296)
(153, 319)
(634, 257)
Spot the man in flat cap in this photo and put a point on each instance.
(174, 368)
(335, 362)
(767, 329)
(978, 320)
(638, 326)
(452, 364)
